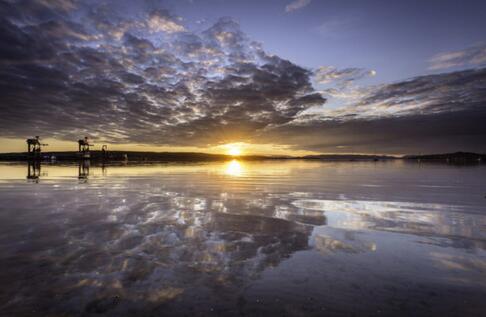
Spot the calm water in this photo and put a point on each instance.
(290, 238)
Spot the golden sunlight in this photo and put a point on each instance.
(234, 168)
(234, 149)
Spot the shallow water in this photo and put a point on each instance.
(287, 238)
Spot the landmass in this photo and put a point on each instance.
(194, 156)
(450, 157)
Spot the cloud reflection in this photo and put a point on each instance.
(139, 238)
(406, 217)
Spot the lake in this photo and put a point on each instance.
(286, 238)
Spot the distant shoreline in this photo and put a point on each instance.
(138, 156)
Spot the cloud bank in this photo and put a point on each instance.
(69, 69)
(435, 113)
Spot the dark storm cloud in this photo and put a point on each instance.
(132, 72)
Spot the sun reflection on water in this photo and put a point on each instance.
(234, 168)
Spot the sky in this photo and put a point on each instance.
(263, 77)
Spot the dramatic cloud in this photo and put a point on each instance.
(469, 57)
(297, 5)
(431, 94)
(69, 70)
(444, 112)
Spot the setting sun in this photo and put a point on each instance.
(234, 150)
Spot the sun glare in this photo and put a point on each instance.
(234, 150)
(234, 168)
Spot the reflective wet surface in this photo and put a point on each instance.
(287, 238)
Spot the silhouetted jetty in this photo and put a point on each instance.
(83, 148)
(34, 147)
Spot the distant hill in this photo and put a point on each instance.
(455, 157)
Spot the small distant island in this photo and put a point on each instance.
(137, 156)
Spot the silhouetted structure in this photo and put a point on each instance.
(34, 147)
(83, 148)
